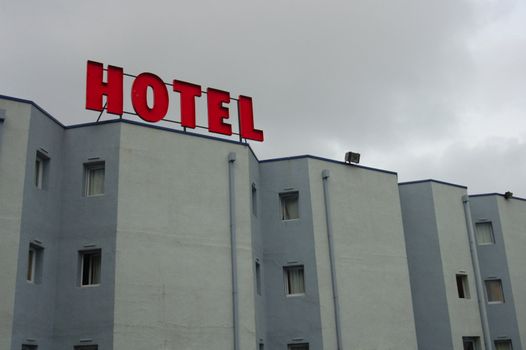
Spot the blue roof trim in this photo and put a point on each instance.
(432, 180)
(327, 160)
(495, 194)
(16, 99)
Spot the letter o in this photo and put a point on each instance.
(140, 98)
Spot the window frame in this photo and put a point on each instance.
(287, 283)
(82, 257)
(464, 283)
(504, 341)
(254, 199)
(35, 258)
(257, 268)
(41, 170)
(501, 291)
(283, 198)
(490, 223)
(298, 346)
(88, 168)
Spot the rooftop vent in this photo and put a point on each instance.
(508, 195)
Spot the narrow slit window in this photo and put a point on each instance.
(303, 346)
(254, 200)
(462, 286)
(41, 170)
(90, 268)
(258, 278)
(34, 264)
(289, 205)
(29, 347)
(294, 280)
(484, 231)
(494, 291)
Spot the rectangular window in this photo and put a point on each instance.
(462, 286)
(34, 264)
(494, 291)
(471, 343)
(503, 345)
(94, 179)
(41, 170)
(86, 347)
(29, 347)
(303, 346)
(261, 346)
(484, 233)
(254, 200)
(90, 267)
(294, 280)
(258, 278)
(289, 205)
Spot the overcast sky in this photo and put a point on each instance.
(429, 89)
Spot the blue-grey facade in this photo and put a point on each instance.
(193, 242)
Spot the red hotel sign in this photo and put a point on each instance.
(217, 100)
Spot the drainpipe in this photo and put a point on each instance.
(478, 278)
(233, 245)
(325, 176)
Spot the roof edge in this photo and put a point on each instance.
(495, 194)
(309, 156)
(432, 180)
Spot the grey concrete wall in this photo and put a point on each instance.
(433, 325)
(371, 262)
(173, 271)
(13, 153)
(513, 225)
(456, 259)
(496, 260)
(87, 223)
(41, 214)
(258, 250)
(291, 242)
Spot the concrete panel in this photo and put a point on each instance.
(425, 267)
(495, 261)
(13, 154)
(173, 270)
(288, 243)
(41, 214)
(371, 261)
(87, 223)
(513, 223)
(464, 314)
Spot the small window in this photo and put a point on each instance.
(294, 280)
(494, 291)
(258, 278)
(41, 170)
(503, 345)
(463, 286)
(34, 264)
(29, 347)
(94, 179)
(485, 233)
(261, 346)
(303, 346)
(289, 205)
(86, 347)
(471, 343)
(254, 200)
(90, 267)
